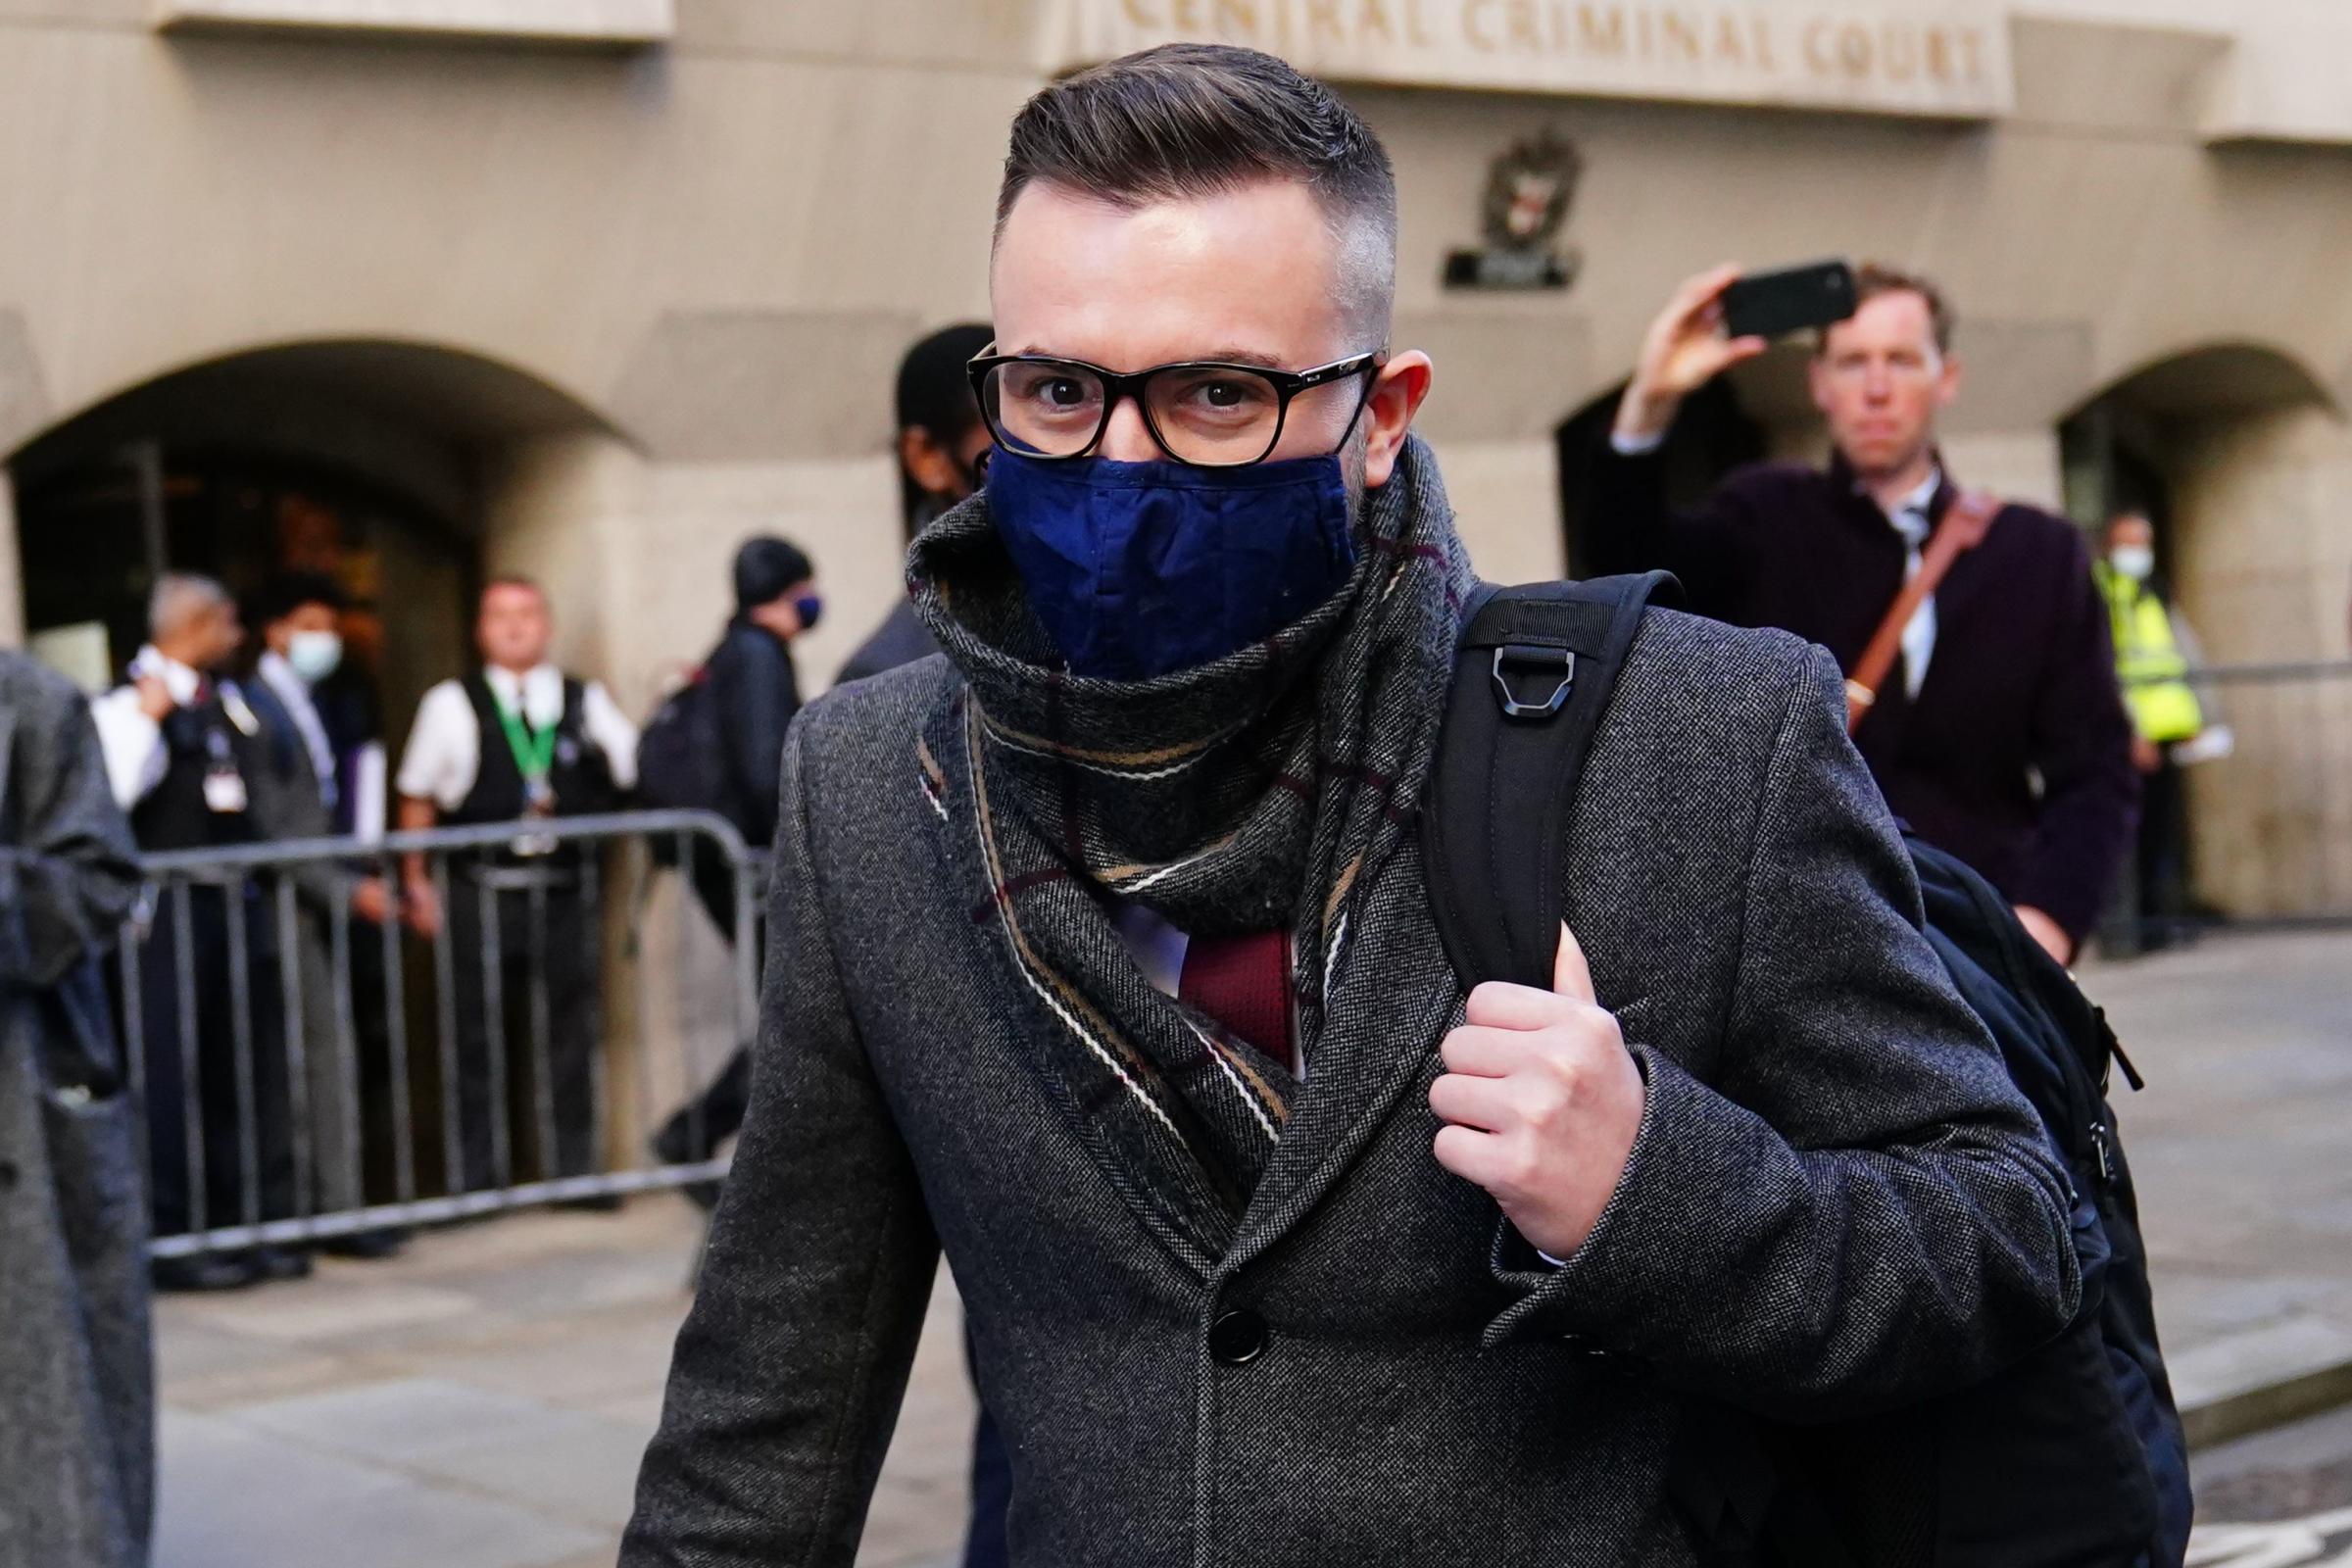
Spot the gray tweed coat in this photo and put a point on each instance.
(77, 1380)
(1836, 1202)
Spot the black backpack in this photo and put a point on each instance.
(2073, 1457)
(681, 756)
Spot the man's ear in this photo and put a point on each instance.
(1948, 384)
(1817, 382)
(929, 464)
(1397, 396)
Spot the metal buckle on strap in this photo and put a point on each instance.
(1548, 658)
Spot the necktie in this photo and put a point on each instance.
(1919, 637)
(1244, 982)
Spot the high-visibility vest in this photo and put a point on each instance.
(2149, 662)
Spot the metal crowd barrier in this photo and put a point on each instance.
(2262, 813)
(310, 1074)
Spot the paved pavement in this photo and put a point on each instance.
(2242, 1147)
(482, 1403)
(2279, 1499)
(479, 1403)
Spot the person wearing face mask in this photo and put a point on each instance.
(752, 691)
(941, 442)
(184, 754)
(1998, 733)
(2153, 652)
(305, 794)
(1103, 961)
(753, 684)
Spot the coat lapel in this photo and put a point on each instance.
(1391, 996)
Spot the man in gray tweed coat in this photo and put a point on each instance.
(1102, 963)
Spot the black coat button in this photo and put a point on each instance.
(1237, 1337)
(8, 1174)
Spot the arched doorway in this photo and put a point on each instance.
(360, 459)
(2154, 439)
(1759, 410)
(2240, 457)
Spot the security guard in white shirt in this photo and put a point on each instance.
(183, 756)
(517, 741)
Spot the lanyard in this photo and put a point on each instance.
(534, 753)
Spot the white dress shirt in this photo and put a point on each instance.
(1910, 520)
(444, 754)
(1158, 947)
(1153, 941)
(295, 692)
(132, 743)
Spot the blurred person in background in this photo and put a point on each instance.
(302, 795)
(941, 442)
(77, 1368)
(517, 741)
(756, 687)
(2002, 737)
(749, 691)
(2154, 653)
(184, 754)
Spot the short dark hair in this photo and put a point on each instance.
(935, 393)
(1874, 278)
(287, 592)
(766, 569)
(1192, 120)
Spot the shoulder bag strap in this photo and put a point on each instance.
(1964, 526)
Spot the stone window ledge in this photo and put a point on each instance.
(609, 23)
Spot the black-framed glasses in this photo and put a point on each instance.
(1207, 412)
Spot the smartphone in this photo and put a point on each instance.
(1790, 300)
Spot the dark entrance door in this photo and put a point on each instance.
(95, 534)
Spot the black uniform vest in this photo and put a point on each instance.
(174, 815)
(580, 774)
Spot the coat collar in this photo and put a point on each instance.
(1845, 483)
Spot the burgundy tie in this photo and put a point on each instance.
(1244, 982)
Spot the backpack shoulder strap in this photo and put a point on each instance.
(1533, 671)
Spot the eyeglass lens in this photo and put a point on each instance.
(1207, 415)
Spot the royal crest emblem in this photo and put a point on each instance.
(1529, 190)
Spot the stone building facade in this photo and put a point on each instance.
(424, 289)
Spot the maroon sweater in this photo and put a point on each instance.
(2016, 754)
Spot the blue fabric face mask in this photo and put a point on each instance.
(1138, 569)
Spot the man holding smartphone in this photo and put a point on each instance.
(1999, 733)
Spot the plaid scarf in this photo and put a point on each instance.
(1271, 788)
